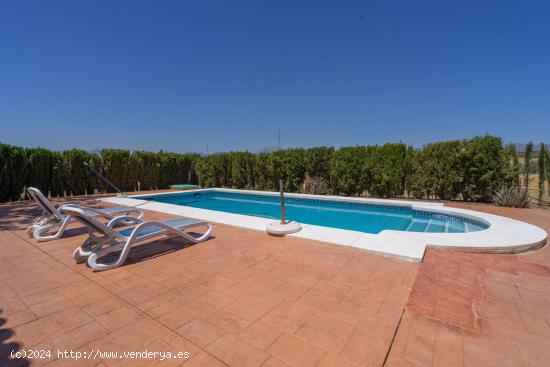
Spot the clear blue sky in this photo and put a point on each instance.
(180, 75)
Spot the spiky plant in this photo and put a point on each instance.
(512, 197)
(315, 185)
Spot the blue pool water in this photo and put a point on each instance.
(364, 217)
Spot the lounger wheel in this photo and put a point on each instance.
(79, 257)
(30, 230)
(92, 263)
(40, 233)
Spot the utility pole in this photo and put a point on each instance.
(279, 135)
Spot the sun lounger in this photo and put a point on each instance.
(104, 240)
(53, 218)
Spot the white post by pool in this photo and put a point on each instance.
(282, 227)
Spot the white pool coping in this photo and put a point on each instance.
(504, 235)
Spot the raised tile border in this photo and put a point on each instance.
(503, 235)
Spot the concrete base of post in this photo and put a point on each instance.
(279, 229)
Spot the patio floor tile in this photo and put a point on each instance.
(236, 352)
(296, 352)
(200, 332)
(244, 298)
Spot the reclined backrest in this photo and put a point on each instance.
(90, 222)
(41, 200)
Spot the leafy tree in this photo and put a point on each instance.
(39, 169)
(347, 170)
(294, 168)
(468, 170)
(74, 173)
(262, 172)
(214, 170)
(241, 169)
(13, 171)
(115, 167)
(317, 162)
(169, 169)
(483, 162)
(437, 171)
(408, 169)
(149, 171)
(387, 170)
(59, 174)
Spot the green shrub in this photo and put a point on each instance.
(149, 169)
(241, 169)
(39, 169)
(293, 168)
(317, 162)
(483, 163)
(214, 170)
(13, 172)
(387, 170)
(347, 170)
(116, 164)
(469, 170)
(76, 176)
(262, 172)
(436, 171)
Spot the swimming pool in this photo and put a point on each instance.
(355, 216)
(398, 228)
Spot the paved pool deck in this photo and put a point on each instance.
(244, 298)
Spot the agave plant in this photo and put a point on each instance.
(513, 197)
(315, 185)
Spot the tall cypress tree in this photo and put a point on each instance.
(542, 169)
(528, 153)
(514, 168)
(547, 169)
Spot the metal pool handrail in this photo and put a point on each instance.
(120, 193)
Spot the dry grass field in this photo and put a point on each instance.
(534, 189)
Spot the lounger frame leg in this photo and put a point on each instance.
(91, 245)
(37, 224)
(132, 240)
(48, 225)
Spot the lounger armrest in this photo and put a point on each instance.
(124, 218)
(71, 205)
(91, 209)
(153, 223)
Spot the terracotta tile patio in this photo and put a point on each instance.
(246, 299)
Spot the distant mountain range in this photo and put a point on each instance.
(520, 147)
(267, 150)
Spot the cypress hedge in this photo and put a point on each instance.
(465, 170)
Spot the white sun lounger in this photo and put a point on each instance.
(56, 218)
(103, 239)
